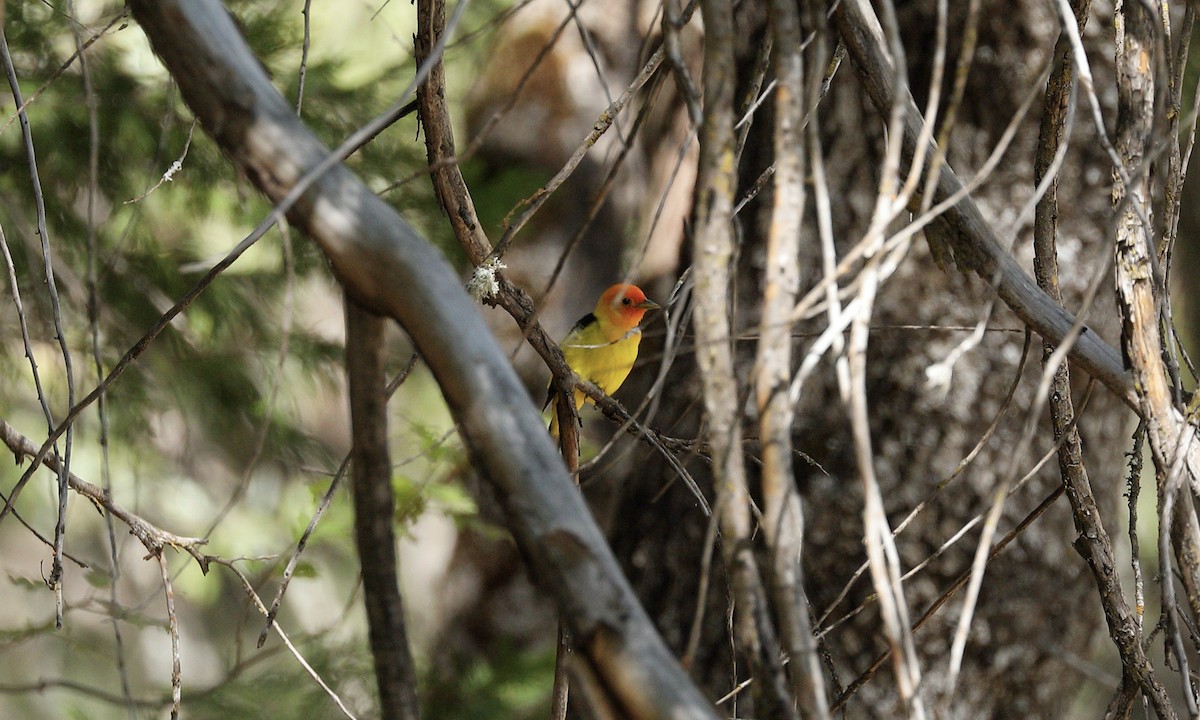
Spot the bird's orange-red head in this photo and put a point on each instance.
(623, 306)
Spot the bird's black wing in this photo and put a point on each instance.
(584, 321)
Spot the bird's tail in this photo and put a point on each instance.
(553, 403)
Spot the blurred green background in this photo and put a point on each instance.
(236, 415)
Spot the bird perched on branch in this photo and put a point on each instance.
(603, 345)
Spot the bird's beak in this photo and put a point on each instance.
(648, 305)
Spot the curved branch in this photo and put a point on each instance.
(388, 268)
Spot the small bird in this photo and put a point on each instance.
(603, 345)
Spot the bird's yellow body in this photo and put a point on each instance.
(603, 346)
(600, 355)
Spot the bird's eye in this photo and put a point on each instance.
(624, 301)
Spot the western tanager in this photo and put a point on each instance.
(603, 345)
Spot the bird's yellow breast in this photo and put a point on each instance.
(602, 361)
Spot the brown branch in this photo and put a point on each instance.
(1092, 541)
(568, 444)
(173, 631)
(152, 537)
(374, 508)
(389, 269)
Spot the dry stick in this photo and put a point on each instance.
(970, 38)
(304, 55)
(1092, 541)
(824, 213)
(1134, 485)
(248, 588)
(60, 526)
(706, 558)
(1195, 113)
(1136, 291)
(391, 269)
(173, 630)
(783, 525)
(1177, 158)
(672, 24)
(568, 445)
(90, 98)
(153, 538)
(172, 169)
(374, 509)
(1172, 186)
(589, 48)
(881, 548)
(713, 249)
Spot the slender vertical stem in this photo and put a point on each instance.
(374, 508)
(783, 523)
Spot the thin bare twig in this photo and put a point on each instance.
(306, 12)
(1092, 541)
(248, 588)
(93, 290)
(173, 631)
(60, 526)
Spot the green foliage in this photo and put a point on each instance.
(509, 683)
(284, 690)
